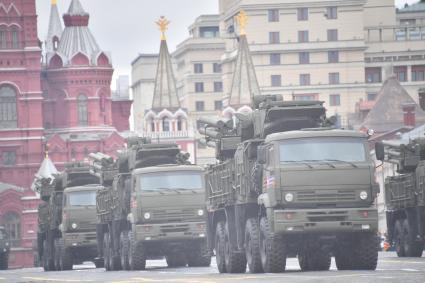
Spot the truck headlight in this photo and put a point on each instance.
(363, 195)
(289, 197)
(147, 215)
(201, 212)
(74, 225)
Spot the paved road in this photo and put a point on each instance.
(390, 269)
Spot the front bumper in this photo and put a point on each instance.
(171, 231)
(330, 221)
(80, 239)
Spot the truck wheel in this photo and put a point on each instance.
(4, 258)
(343, 253)
(137, 257)
(219, 247)
(365, 252)
(412, 247)
(235, 261)
(47, 261)
(176, 260)
(199, 256)
(66, 259)
(99, 263)
(106, 251)
(252, 245)
(314, 259)
(272, 250)
(399, 238)
(124, 248)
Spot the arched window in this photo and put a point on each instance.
(3, 44)
(83, 119)
(179, 124)
(165, 125)
(152, 124)
(8, 115)
(12, 224)
(55, 42)
(14, 34)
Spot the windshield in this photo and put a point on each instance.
(82, 198)
(182, 180)
(323, 149)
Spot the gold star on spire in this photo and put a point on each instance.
(54, 2)
(163, 26)
(242, 20)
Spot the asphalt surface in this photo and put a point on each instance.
(390, 269)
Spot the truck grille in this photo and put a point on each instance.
(176, 216)
(174, 228)
(86, 226)
(318, 196)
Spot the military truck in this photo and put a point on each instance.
(280, 190)
(4, 249)
(405, 195)
(152, 205)
(67, 218)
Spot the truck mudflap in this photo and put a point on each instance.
(171, 231)
(83, 239)
(325, 220)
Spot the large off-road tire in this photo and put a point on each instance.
(199, 256)
(252, 245)
(365, 252)
(124, 250)
(235, 261)
(399, 238)
(177, 259)
(66, 258)
(220, 246)
(412, 247)
(343, 257)
(48, 263)
(4, 258)
(272, 249)
(137, 256)
(99, 263)
(106, 251)
(314, 259)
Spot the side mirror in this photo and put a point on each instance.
(380, 151)
(261, 155)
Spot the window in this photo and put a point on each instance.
(305, 79)
(171, 181)
(9, 158)
(15, 38)
(218, 87)
(274, 37)
(273, 15)
(373, 75)
(179, 124)
(208, 32)
(83, 119)
(418, 73)
(8, 112)
(332, 35)
(3, 44)
(303, 36)
(304, 57)
(12, 224)
(152, 124)
(217, 68)
(333, 78)
(165, 124)
(303, 14)
(276, 80)
(87, 198)
(199, 87)
(334, 100)
(401, 73)
(275, 59)
(333, 56)
(371, 96)
(332, 13)
(200, 106)
(198, 68)
(218, 105)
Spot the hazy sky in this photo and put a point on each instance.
(126, 27)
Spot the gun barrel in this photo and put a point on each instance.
(217, 122)
(208, 143)
(210, 133)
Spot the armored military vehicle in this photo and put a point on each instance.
(405, 195)
(4, 249)
(67, 218)
(281, 190)
(152, 205)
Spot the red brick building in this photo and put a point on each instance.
(61, 98)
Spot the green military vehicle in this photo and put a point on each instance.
(405, 195)
(152, 206)
(67, 218)
(281, 191)
(4, 249)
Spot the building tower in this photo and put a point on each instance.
(54, 31)
(166, 120)
(244, 82)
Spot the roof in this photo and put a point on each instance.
(418, 7)
(387, 113)
(76, 9)
(314, 133)
(47, 169)
(55, 28)
(244, 83)
(90, 187)
(168, 168)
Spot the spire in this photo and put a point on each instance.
(165, 92)
(76, 9)
(244, 83)
(55, 28)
